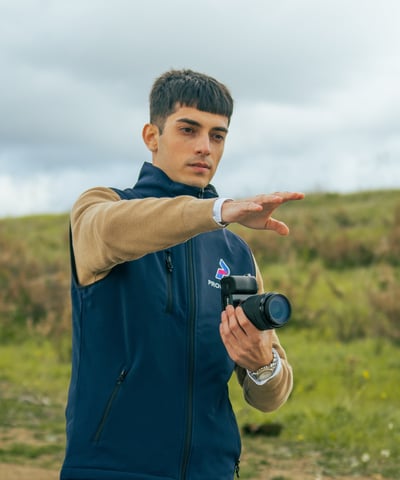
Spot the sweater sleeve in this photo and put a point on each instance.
(275, 392)
(107, 231)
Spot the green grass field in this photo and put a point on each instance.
(340, 267)
(344, 407)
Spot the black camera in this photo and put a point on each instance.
(265, 311)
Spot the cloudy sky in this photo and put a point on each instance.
(316, 86)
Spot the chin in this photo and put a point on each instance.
(199, 184)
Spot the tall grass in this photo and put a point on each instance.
(341, 269)
(344, 406)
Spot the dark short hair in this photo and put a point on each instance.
(190, 89)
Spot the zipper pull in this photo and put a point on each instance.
(168, 261)
(237, 468)
(122, 376)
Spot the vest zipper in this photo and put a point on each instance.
(237, 468)
(191, 346)
(170, 268)
(190, 377)
(107, 410)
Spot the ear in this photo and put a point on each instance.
(150, 136)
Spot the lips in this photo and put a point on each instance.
(200, 165)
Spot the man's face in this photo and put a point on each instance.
(190, 146)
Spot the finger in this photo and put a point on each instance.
(277, 226)
(269, 199)
(249, 207)
(287, 196)
(223, 332)
(228, 338)
(224, 325)
(233, 324)
(246, 324)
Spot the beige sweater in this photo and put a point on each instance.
(107, 231)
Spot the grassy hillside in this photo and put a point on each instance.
(341, 269)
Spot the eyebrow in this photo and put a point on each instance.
(194, 123)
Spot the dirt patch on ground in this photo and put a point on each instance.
(299, 470)
(20, 472)
(304, 470)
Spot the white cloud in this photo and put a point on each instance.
(23, 197)
(315, 83)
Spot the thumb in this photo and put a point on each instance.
(277, 226)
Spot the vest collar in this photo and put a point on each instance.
(153, 181)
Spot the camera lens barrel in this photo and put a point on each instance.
(268, 310)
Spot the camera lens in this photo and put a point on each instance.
(267, 310)
(277, 309)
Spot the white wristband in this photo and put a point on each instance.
(217, 211)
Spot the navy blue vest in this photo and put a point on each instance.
(148, 397)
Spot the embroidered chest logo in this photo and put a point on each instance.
(223, 270)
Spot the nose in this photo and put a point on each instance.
(203, 145)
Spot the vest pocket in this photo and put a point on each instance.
(170, 268)
(107, 410)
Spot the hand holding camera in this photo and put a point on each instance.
(247, 333)
(266, 311)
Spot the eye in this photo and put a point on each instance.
(187, 130)
(217, 137)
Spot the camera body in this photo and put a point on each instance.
(266, 311)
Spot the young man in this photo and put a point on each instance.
(152, 352)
